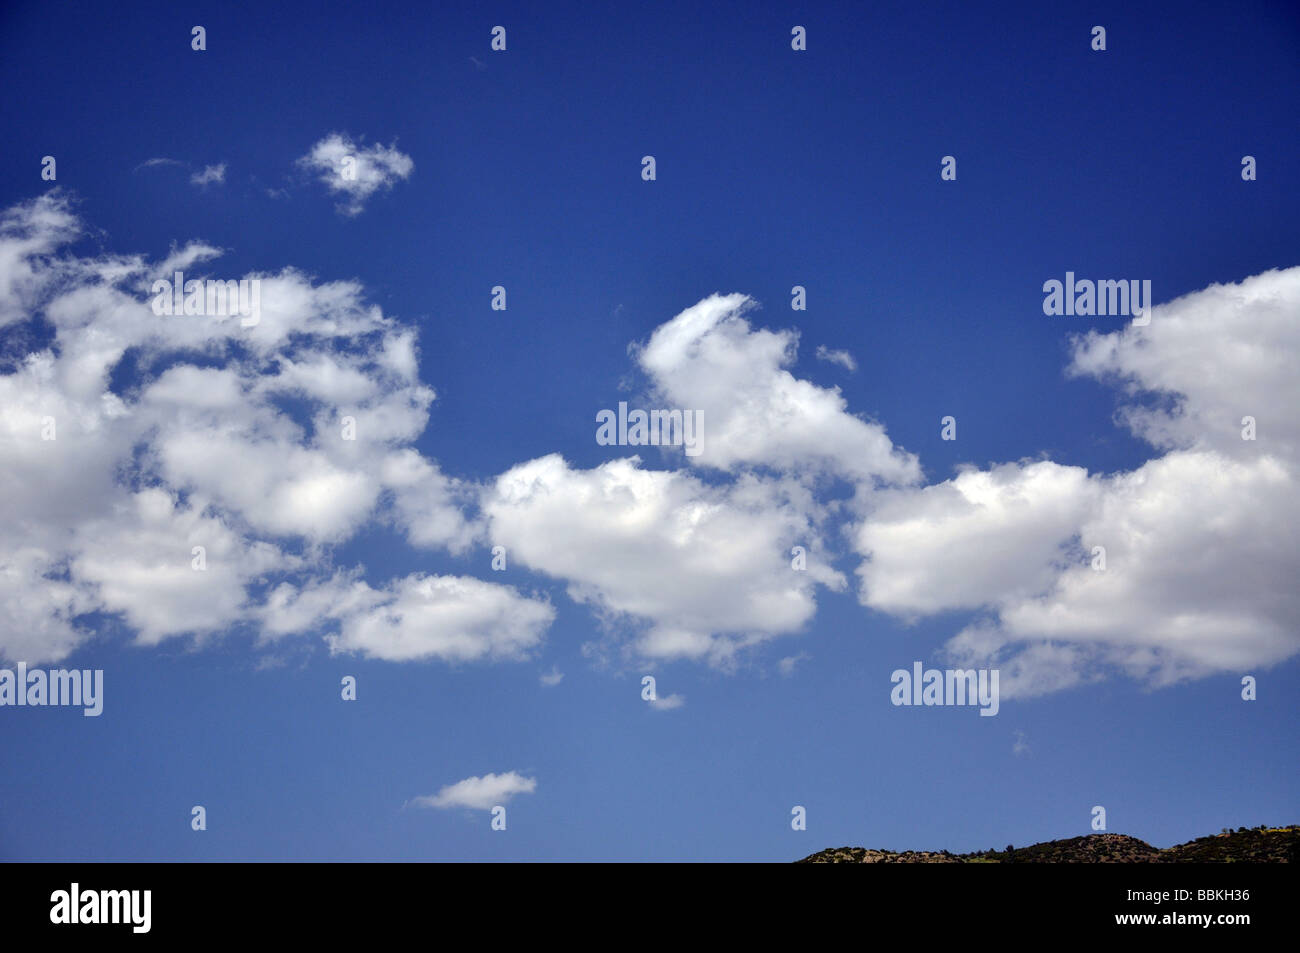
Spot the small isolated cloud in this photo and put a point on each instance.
(668, 702)
(210, 174)
(155, 163)
(787, 664)
(552, 678)
(843, 358)
(354, 171)
(478, 63)
(479, 794)
(1021, 746)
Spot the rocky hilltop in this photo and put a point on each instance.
(1257, 845)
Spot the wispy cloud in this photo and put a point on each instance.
(211, 174)
(787, 664)
(155, 163)
(843, 358)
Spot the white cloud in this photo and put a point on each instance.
(1021, 744)
(29, 233)
(412, 618)
(1200, 556)
(552, 678)
(702, 571)
(354, 171)
(453, 618)
(668, 702)
(479, 794)
(1213, 357)
(201, 452)
(698, 571)
(280, 489)
(787, 665)
(843, 358)
(679, 568)
(977, 539)
(182, 259)
(756, 413)
(156, 162)
(1199, 578)
(427, 505)
(141, 561)
(209, 175)
(39, 605)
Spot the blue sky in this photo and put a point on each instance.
(775, 168)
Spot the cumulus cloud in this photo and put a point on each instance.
(453, 618)
(197, 443)
(356, 172)
(130, 438)
(412, 618)
(40, 603)
(110, 479)
(1199, 578)
(756, 413)
(167, 569)
(552, 678)
(667, 702)
(930, 547)
(479, 794)
(699, 571)
(1198, 544)
(1215, 356)
(685, 568)
(428, 506)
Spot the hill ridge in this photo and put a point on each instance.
(1254, 845)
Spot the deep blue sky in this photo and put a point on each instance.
(775, 168)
